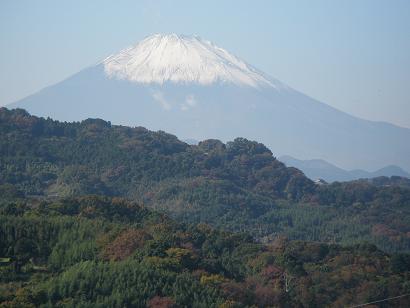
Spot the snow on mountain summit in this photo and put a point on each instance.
(193, 89)
(183, 59)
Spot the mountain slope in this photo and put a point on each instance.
(238, 186)
(106, 252)
(55, 158)
(182, 59)
(196, 90)
(320, 169)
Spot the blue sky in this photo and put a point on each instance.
(353, 55)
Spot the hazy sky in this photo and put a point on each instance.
(353, 55)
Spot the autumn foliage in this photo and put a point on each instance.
(125, 244)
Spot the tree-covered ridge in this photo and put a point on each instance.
(51, 155)
(238, 186)
(109, 252)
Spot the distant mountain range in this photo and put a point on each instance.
(321, 169)
(194, 89)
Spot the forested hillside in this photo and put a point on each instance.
(108, 252)
(238, 186)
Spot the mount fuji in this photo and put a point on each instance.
(196, 90)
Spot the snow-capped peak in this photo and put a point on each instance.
(183, 59)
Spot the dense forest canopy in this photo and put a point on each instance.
(238, 186)
(101, 251)
(94, 214)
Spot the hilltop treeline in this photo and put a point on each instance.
(238, 186)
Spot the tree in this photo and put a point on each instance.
(23, 250)
(125, 244)
(161, 302)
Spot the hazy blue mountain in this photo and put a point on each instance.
(191, 88)
(321, 169)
